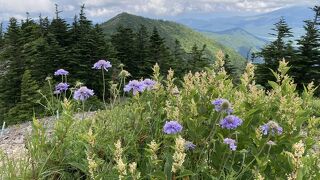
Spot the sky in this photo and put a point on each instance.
(101, 10)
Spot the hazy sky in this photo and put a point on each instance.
(99, 10)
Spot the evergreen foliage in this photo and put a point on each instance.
(306, 68)
(32, 50)
(27, 105)
(280, 48)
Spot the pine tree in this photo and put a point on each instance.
(123, 42)
(229, 67)
(59, 28)
(11, 81)
(275, 51)
(1, 37)
(27, 106)
(158, 52)
(142, 44)
(197, 60)
(306, 67)
(179, 61)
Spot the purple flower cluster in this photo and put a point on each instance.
(230, 122)
(148, 83)
(135, 86)
(231, 143)
(61, 87)
(83, 93)
(189, 145)
(61, 72)
(222, 105)
(172, 127)
(102, 64)
(139, 86)
(272, 128)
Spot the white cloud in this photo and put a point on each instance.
(108, 8)
(19, 6)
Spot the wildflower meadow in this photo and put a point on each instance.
(201, 127)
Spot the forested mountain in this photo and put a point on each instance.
(172, 31)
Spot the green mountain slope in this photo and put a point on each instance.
(171, 31)
(238, 39)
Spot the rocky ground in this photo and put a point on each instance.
(12, 141)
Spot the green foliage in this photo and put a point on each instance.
(27, 105)
(280, 48)
(42, 48)
(305, 68)
(126, 141)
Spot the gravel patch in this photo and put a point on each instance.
(12, 141)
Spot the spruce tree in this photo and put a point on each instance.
(179, 61)
(59, 28)
(27, 106)
(229, 67)
(306, 67)
(275, 51)
(1, 38)
(11, 80)
(158, 52)
(123, 42)
(142, 44)
(197, 60)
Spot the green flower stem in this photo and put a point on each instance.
(247, 166)
(83, 110)
(223, 160)
(104, 89)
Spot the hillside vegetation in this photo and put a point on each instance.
(172, 31)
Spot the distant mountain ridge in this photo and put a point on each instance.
(171, 31)
(239, 39)
(259, 25)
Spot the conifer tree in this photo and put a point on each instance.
(1, 37)
(158, 52)
(123, 42)
(229, 67)
(306, 67)
(59, 28)
(11, 81)
(29, 96)
(197, 60)
(142, 44)
(179, 62)
(275, 51)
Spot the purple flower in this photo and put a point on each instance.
(61, 72)
(82, 93)
(61, 87)
(189, 145)
(230, 122)
(135, 86)
(148, 84)
(271, 127)
(222, 105)
(231, 143)
(102, 64)
(172, 127)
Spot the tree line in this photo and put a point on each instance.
(31, 50)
